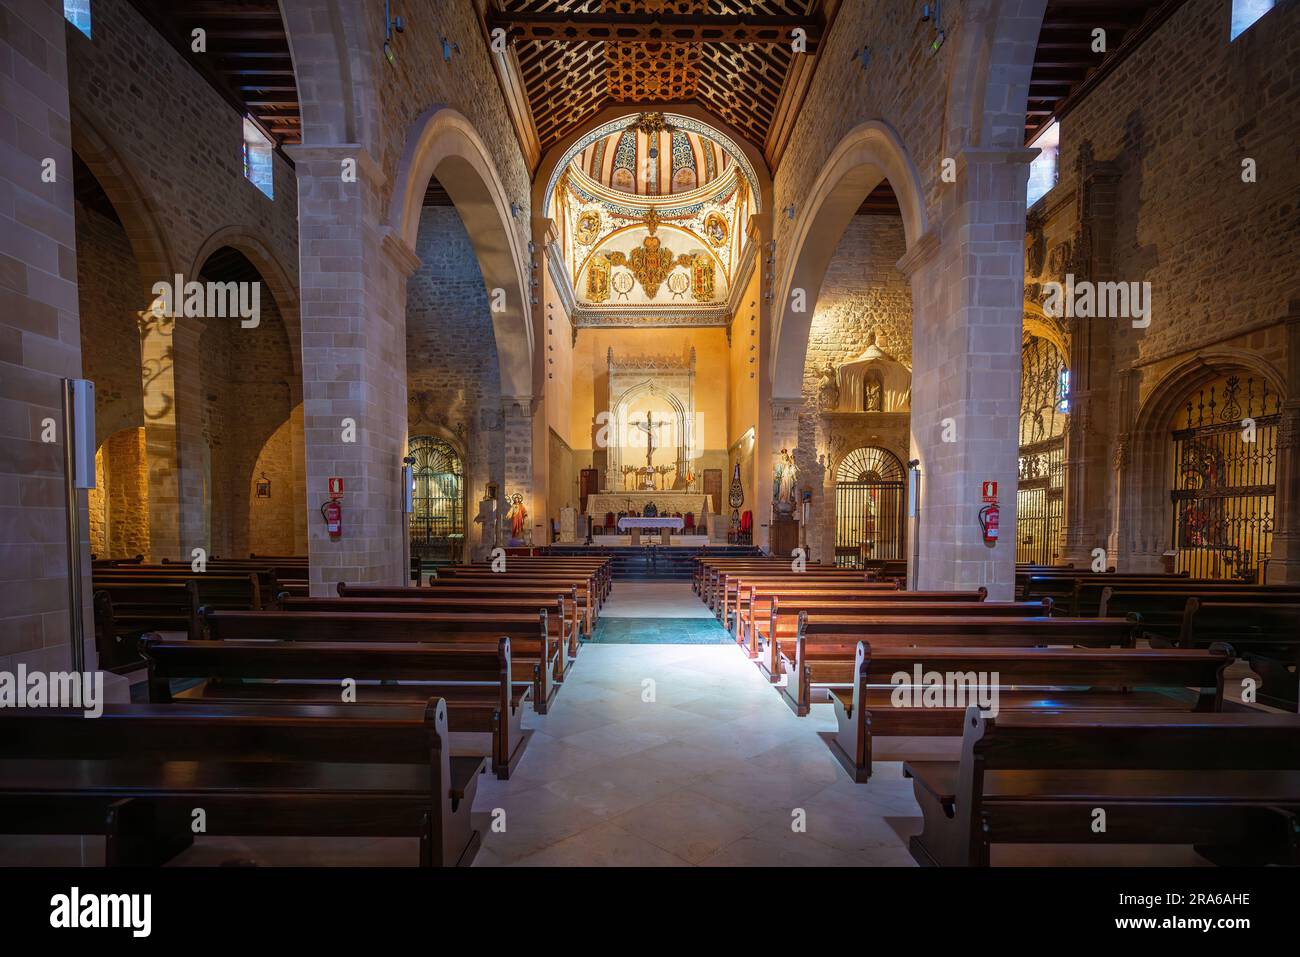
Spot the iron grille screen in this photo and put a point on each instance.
(870, 507)
(437, 525)
(1040, 489)
(1224, 479)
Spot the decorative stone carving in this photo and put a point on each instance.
(828, 393)
(874, 379)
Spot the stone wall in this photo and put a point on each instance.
(247, 392)
(39, 339)
(108, 288)
(178, 138)
(1151, 190)
(270, 519)
(862, 295)
(453, 379)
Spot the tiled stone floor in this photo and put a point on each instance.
(654, 600)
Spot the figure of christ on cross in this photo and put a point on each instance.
(649, 429)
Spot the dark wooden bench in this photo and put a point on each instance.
(136, 774)
(557, 621)
(535, 657)
(126, 609)
(825, 648)
(484, 704)
(757, 601)
(786, 621)
(588, 594)
(575, 608)
(1033, 679)
(1267, 636)
(1163, 607)
(1228, 784)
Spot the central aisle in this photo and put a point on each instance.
(662, 754)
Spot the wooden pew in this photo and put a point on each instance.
(722, 591)
(756, 602)
(1267, 636)
(588, 593)
(825, 647)
(786, 622)
(599, 572)
(126, 609)
(557, 622)
(575, 607)
(1053, 679)
(1163, 607)
(534, 656)
(484, 704)
(1227, 784)
(136, 773)
(1063, 588)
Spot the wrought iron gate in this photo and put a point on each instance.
(1225, 477)
(870, 507)
(437, 525)
(1040, 501)
(1040, 488)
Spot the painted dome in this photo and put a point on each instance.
(662, 162)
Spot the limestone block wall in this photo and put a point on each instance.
(178, 138)
(862, 295)
(1218, 252)
(453, 377)
(39, 339)
(108, 287)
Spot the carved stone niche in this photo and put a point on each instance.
(873, 382)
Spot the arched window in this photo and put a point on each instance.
(437, 523)
(870, 507)
(1224, 478)
(1044, 408)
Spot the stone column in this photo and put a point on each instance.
(353, 274)
(967, 295)
(1284, 563)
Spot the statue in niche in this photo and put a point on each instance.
(828, 393)
(873, 392)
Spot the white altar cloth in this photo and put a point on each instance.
(644, 521)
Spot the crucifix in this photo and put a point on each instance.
(649, 430)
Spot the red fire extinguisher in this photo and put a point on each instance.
(332, 511)
(989, 523)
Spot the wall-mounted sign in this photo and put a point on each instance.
(336, 486)
(990, 491)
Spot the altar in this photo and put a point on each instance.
(666, 503)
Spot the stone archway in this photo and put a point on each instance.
(443, 143)
(1144, 457)
(870, 153)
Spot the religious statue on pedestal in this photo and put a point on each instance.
(518, 516)
(783, 485)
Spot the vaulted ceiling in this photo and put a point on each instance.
(572, 58)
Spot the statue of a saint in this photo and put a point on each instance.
(828, 393)
(783, 488)
(518, 516)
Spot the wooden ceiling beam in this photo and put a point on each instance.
(654, 28)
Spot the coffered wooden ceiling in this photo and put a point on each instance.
(733, 57)
(1065, 66)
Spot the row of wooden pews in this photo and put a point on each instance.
(874, 654)
(132, 597)
(355, 715)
